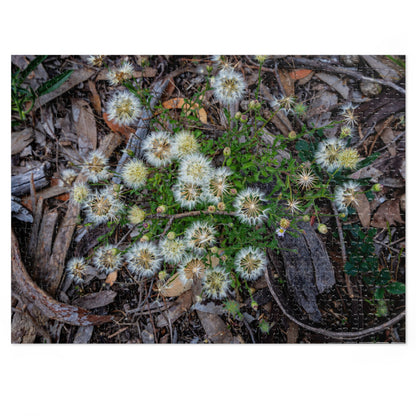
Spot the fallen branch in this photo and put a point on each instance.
(332, 334)
(34, 296)
(311, 64)
(21, 184)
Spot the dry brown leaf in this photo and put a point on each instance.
(85, 125)
(174, 286)
(179, 307)
(299, 73)
(21, 139)
(111, 278)
(125, 131)
(95, 98)
(363, 210)
(287, 82)
(179, 103)
(96, 300)
(389, 212)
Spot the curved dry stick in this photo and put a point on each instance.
(49, 307)
(332, 334)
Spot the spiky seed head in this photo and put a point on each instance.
(216, 282)
(96, 60)
(173, 251)
(117, 76)
(232, 307)
(196, 169)
(306, 179)
(101, 206)
(124, 108)
(188, 195)
(221, 206)
(284, 102)
(328, 152)
(284, 223)
(199, 236)
(185, 143)
(346, 131)
(293, 205)
(261, 58)
(136, 215)
(250, 209)
(347, 112)
(192, 267)
(300, 109)
(69, 176)
(348, 158)
(218, 185)
(95, 166)
(107, 258)
(159, 149)
(76, 269)
(250, 262)
(143, 259)
(171, 235)
(229, 86)
(134, 174)
(346, 195)
(80, 193)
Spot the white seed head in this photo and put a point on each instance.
(250, 262)
(136, 215)
(159, 149)
(95, 167)
(346, 195)
(80, 193)
(124, 108)
(216, 282)
(76, 269)
(101, 206)
(143, 259)
(191, 267)
(188, 195)
(134, 174)
(199, 236)
(249, 206)
(196, 169)
(173, 251)
(116, 76)
(218, 185)
(185, 143)
(107, 259)
(328, 152)
(229, 86)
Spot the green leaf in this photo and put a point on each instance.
(382, 309)
(396, 288)
(32, 65)
(379, 293)
(367, 161)
(53, 83)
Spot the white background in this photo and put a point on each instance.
(196, 379)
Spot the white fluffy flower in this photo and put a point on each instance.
(116, 76)
(185, 143)
(199, 236)
(249, 206)
(107, 259)
(102, 206)
(159, 148)
(188, 195)
(196, 169)
(218, 185)
(328, 152)
(250, 263)
(173, 251)
(95, 167)
(134, 174)
(124, 108)
(229, 86)
(76, 269)
(191, 267)
(346, 195)
(144, 259)
(216, 282)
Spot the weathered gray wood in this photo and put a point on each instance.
(21, 183)
(299, 272)
(19, 211)
(324, 273)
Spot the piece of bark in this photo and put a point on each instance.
(37, 217)
(299, 272)
(84, 334)
(335, 83)
(21, 183)
(75, 78)
(324, 273)
(179, 307)
(95, 97)
(44, 245)
(37, 298)
(363, 210)
(85, 126)
(96, 300)
(23, 328)
(386, 71)
(19, 211)
(21, 139)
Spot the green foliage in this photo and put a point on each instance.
(23, 98)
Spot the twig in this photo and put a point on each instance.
(343, 249)
(309, 63)
(333, 334)
(249, 330)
